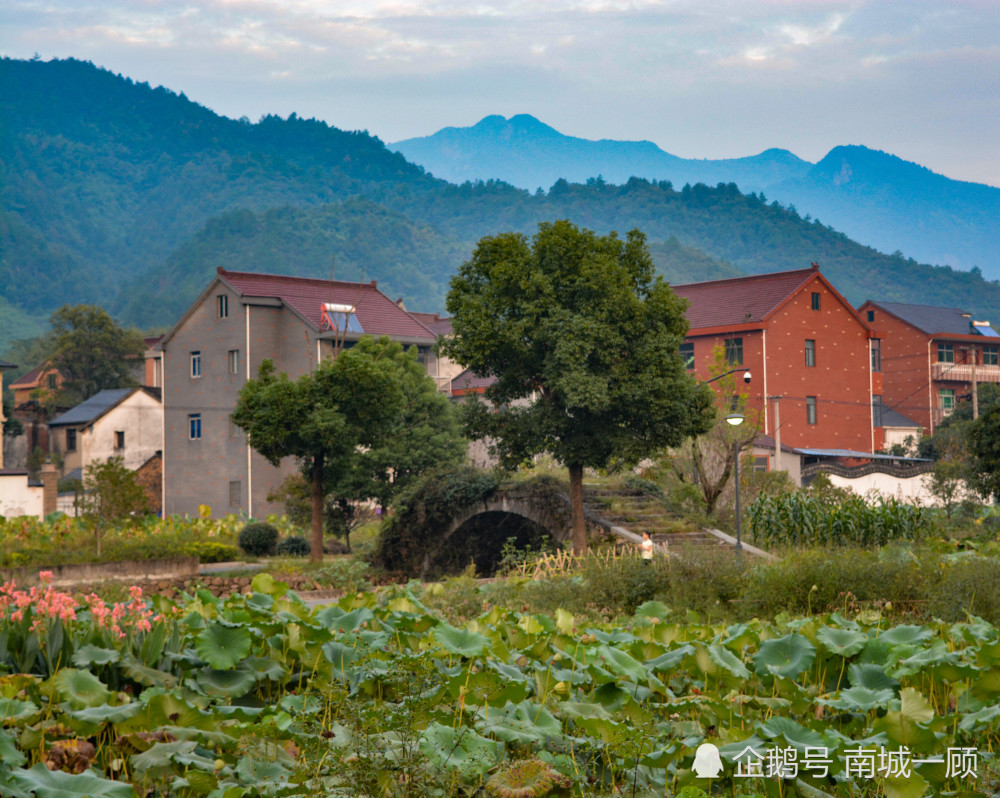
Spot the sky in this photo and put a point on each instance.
(700, 78)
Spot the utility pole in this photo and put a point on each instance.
(975, 388)
(777, 434)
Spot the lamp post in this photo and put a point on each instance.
(735, 419)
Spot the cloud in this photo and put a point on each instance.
(596, 68)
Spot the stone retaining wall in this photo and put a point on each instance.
(222, 585)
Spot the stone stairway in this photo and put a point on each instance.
(639, 512)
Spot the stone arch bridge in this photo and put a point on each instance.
(545, 508)
(548, 509)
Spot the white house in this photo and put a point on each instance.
(125, 422)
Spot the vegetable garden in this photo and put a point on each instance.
(378, 695)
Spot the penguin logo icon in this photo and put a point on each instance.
(707, 761)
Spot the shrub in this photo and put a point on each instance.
(622, 583)
(258, 538)
(967, 585)
(820, 580)
(210, 551)
(294, 546)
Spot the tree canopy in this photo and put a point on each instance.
(984, 446)
(92, 352)
(583, 341)
(327, 417)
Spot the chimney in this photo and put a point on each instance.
(50, 488)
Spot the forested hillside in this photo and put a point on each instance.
(128, 196)
(874, 197)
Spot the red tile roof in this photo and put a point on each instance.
(740, 300)
(377, 314)
(469, 382)
(434, 322)
(30, 379)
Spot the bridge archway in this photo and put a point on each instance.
(527, 518)
(481, 538)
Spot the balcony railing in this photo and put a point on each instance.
(962, 372)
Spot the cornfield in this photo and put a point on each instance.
(801, 519)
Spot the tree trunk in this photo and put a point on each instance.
(576, 508)
(316, 549)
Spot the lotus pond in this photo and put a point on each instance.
(379, 696)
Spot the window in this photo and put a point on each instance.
(876, 344)
(222, 306)
(815, 300)
(990, 356)
(687, 355)
(235, 494)
(234, 361)
(194, 427)
(810, 352)
(810, 410)
(423, 354)
(871, 315)
(50, 380)
(877, 410)
(947, 399)
(195, 364)
(71, 440)
(734, 351)
(946, 353)
(119, 439)
(760, 464)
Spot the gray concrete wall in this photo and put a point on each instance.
(197, 472)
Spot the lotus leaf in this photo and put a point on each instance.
(267, 584)
(45, 783)
(461, 750)
(727, 661)
(161, 758)
(254, 771)
(621, 664)
(843, 642)
(226, 684)
(9, 754)
(336, 619)
(905, 726)
(223, 646)
(94, 655)
(671, 659)
(871, 676)
(523, 723)
(264, 668)
(460, 641)
(105, 713)
(981, 720)
(261, 602)
(860, 699)
(654, 611)
(797, 735)
(12, 710)
(906, 634)
(785, 656)
(81, 688)
(151, 677)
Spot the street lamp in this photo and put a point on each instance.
(735, 419)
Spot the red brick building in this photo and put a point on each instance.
(802, 342)
(930, 357)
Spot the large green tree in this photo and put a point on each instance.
(984, 446)
(92, 352)
(583, 341)
(323, 418)
(428, 434)
(424, 435)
